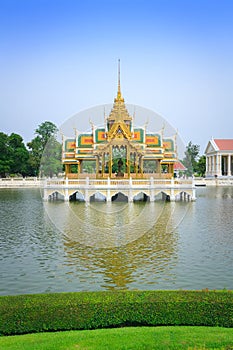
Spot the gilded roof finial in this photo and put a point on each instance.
(119, 80)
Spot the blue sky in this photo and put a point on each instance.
(60, 57)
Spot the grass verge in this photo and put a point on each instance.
(159, 338)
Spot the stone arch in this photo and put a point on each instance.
(183, 196)
(162, 196)
(77, 196)
(119, 197)
(56, 195)
(124, 192)
(98, 197)
(141, 197)
(73, 191)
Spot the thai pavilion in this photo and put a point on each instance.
(118, 149)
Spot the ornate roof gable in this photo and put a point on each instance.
(119, 131)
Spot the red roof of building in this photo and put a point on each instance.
(179, 166)
(224, 144)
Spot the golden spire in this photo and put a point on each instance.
(119, 79)
(119, 111)
(119, 97)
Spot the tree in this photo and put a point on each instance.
(201, 166)
(35, 154)
(4, 155)
(45, 131)
(13, 155)
(18, 155)
(45, 138)
(51, 158)
(191, 157)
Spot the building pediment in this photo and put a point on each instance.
(211, 147)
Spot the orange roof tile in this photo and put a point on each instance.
(179, 166)
(224, 144)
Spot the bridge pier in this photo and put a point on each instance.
(152, 191)
(86, 192)
(45, 195)
(130, 191)
(172, 193)
(67, 197)
(108, 198)
(193, 195)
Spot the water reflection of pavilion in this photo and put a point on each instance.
(149, 258)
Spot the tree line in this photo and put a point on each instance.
(39, 157)
(42, 155)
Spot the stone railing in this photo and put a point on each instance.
(132, 175)
(89, 182)
(20, 182)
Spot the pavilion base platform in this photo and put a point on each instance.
(87, 189)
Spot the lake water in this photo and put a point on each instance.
(58, 247)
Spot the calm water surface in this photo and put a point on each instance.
(57, 246)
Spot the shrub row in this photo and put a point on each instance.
(90, 310)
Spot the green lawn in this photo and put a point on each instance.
(159, 338)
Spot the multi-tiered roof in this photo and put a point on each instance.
(119, 132)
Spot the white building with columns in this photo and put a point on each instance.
(219, 158)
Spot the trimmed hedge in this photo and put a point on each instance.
(90, 310)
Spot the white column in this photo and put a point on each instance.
(207, 165)
(229, 165)
(212, 165)
(215, 166)
(224, 165)
(219, 171)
